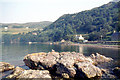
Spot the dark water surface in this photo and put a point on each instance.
(14, 53)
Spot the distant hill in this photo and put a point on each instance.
(39, 25)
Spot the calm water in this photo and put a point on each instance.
(14, 53)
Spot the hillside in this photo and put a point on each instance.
(16, 28)
(39, 25)
(96, 22)
(115, 0)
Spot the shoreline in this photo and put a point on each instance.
(98, 45)
(76, 44)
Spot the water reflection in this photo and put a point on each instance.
(80, 49)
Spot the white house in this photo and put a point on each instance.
(6, 28)
(79, 37)
(27, 27)
(62, 41)
(34, 33)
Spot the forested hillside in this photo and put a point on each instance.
(93, 24)
(96, 22)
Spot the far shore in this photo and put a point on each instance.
(78, 44)
(88, 45)
(98, 45)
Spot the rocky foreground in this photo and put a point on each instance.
(64, 65)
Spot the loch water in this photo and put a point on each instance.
(14, 53)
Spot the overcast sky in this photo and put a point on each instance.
(21, 11)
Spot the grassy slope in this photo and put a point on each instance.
(16, 30)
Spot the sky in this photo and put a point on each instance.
(22, 11)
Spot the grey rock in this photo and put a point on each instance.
(100, 58)
(4, 66)
(20, 74)
(87, 70)
(67, 64)
(34, 74)
(72, 63)
(41, 60)
(16, 72)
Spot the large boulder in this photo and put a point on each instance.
(87, 70)
(16, 72)
(67, 64)
(71, 64)
(41, 60)
(20, 73)
(97, 58)
(5, 66)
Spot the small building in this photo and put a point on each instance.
(29, 42)
(34, 33)
(62, 41)
(79, 37)
(6, 28)
(27, 27)
(85, 41)
(115, 36)
(41, 29)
